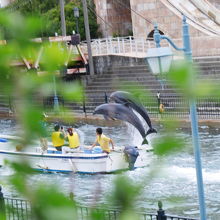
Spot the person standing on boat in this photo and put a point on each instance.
(73, 138)
(43, 138)
(58, 137)
(103, 141)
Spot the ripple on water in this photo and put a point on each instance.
(175, 184)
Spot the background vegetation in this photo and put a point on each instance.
(49, 11)
(48, 202)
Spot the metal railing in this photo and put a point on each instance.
(137, 46)
(20, 209)
(174, 106)
(126, 46)
(16, 209)
(84, 212)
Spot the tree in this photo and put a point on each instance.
(49, 11)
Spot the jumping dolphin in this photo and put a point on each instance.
(121, 112)
(128, 100)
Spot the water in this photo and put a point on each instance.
(174, 184)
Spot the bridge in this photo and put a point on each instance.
(120, 61)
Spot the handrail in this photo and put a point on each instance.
(21, 208)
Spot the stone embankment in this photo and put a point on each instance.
(71, 119)
(120, 73)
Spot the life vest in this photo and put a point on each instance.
(104, 142)
(73, 140)
(57, 140)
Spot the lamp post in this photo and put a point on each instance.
(76, 15)
(159, 60)
(193, 113)
(62, 16)
(55, 97)
(88, 39)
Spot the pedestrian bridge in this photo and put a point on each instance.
(137, 47)
(130, 46)
(201, 14)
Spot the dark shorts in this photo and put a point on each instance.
(59, 148)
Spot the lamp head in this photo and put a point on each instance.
(159, 59)
(76, 12)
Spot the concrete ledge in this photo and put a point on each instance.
(71, 118)
(82, 119)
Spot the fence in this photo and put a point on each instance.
(137, 47)
(126, 46)
(20, 209)
(173, 106)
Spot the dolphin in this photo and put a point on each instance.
(128, 100)
(121, 112)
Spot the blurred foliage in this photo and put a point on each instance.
(27, 86)
(122, 199)
(49, 11)
(167, 144)
(138, 92)
(187, 77)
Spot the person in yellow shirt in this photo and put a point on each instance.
(58, 137)
(73, 138)
(103, 141)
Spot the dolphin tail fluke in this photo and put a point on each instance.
(144, 141)
(151, 130)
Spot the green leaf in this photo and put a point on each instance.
(124, 193)
(168, 144)
(183, 75)
(72, 91)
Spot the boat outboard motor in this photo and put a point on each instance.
(131, 154)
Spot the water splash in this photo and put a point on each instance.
(81, 136)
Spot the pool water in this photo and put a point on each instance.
(174, 183)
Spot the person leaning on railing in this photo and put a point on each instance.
(58, 137)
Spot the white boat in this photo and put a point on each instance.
(83, 161)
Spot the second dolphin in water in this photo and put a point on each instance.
(128, 100)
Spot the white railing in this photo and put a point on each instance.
(126, 46)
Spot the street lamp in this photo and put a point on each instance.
(193, 114)
(76, 15)
(55, 97)
(159, 60)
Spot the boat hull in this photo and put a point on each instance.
(77, 162)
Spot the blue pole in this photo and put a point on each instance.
(56, 100)
(157, 36)
(194, 126)
(193, 113)
(157, 39)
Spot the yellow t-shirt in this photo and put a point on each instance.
(73, 140)
(56, 139)
(104, 142)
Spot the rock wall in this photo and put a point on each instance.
(155, 11)
(115, 17)
(140, 18)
